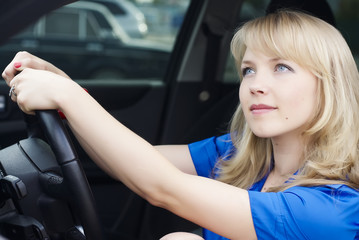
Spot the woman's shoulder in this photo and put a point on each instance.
(336, 191)
(341, 196)
(318, 212)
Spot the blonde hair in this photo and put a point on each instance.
(331, 151)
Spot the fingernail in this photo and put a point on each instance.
(17, 64)
(62, 115)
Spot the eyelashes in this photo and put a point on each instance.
(278, 68)
(246, 71)
(283, 68)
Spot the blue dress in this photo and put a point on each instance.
(322, 212)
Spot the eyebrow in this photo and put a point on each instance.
(246, 62)
(270, 60)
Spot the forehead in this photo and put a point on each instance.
(273, 44)
(251, 55)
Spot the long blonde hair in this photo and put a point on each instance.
(331, 151)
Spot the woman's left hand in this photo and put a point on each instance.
(23, 60)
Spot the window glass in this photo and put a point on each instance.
(115, 8)
(64, 24)
(249, 10)
(347, 21)
(101, 20)
(28, 32)
(101, 25)
(91, 27)
(345, 17)
(95, 40)
(164, 18)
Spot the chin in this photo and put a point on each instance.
(262, 134)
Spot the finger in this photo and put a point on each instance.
(14, 85)
(21, 61)
(8, 74)
(18, 66)
(25, 110)
(13, 68)
(26, 60)
(12, 93)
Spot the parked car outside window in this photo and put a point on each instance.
(86, 41)
(130, 18)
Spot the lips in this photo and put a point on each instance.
(261, 108)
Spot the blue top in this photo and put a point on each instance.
(322, 212)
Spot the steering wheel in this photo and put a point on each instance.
(43, 186)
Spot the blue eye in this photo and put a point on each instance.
(283, 68)
(247, 70)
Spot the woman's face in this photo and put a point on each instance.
(278, 97)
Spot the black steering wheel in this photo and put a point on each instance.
(44, 190)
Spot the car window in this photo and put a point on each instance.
(116, 9)
(249, 10)
(99, 25)
(104, 44)
(64, 24)
(92, 27)
(345, 17)
(29, 31)
(347, 21)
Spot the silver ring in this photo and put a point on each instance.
(12, 91)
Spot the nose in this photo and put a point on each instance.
(258, 86)
(257, 90)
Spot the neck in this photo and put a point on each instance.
(287, 154)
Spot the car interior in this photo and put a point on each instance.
(50, 188)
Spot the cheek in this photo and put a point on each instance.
(301, 106)
(243, 95)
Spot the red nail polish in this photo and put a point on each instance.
(17, 64)
(62, 115)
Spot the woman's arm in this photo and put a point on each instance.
(214, 205)
(178, 155)
(222, 208)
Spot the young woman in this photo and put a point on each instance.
(288, 170)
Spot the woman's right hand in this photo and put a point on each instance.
(35, 83)
(24, 60)
(35, 89)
